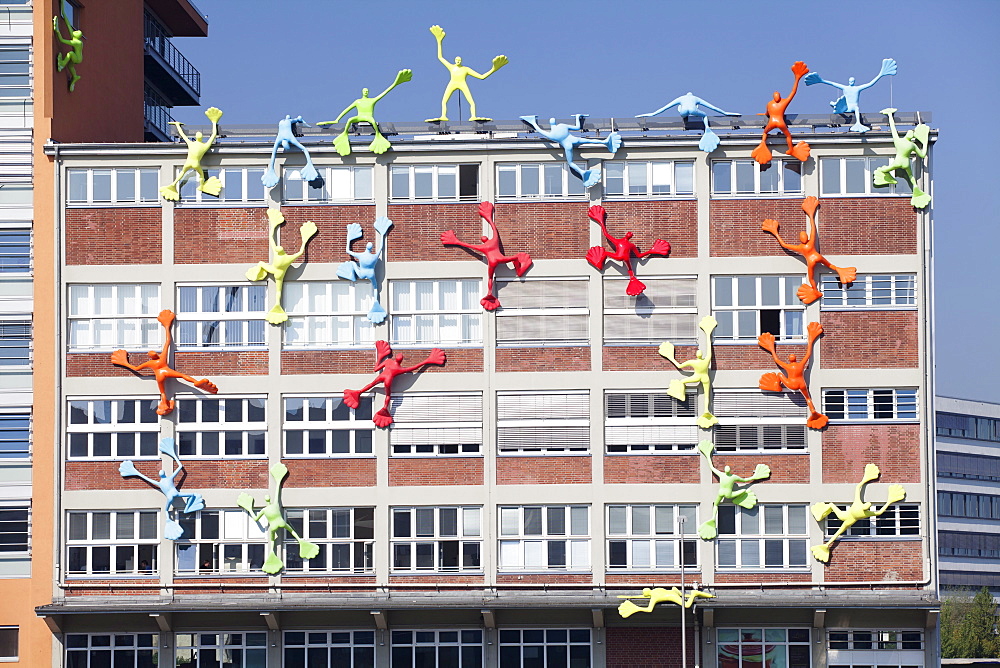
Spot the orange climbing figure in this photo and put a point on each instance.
(490, 248)
(623, 252)
(776, 121)
(795, 370)
(390, 367)
(161, 369)
(809, 293)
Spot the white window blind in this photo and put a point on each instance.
(543, 421)
(437, 424)
(542, 312)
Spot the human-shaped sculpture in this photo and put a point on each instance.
(809, 292)
(285, 139)
(281, 262)
(491, 248)
(699, 366)
(366, 262)
(916, 141)
(272, 515)
(858, 510)
(196, 151)
(687, 106)
(850, 94)
(364, 112)
(172, 529)
(794, 376)
(776, 121)
(623, 251)
(659, 595)
(389, 367)
(160, 367)
(560, 134)
(744, 498)
(459, 74)
(74, 56)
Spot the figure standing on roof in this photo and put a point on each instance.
(74, 56)
(389, 367)
(172, 529)
(850, 94)
(687, 106)
(196, 151)
(364, 112)
(286, 139)
(281, 261)
(366, 262)
(794, 376)
(916, 141)
(776, 121)
(459, 73)
(744, 498)
(560, 134)
(623, 251)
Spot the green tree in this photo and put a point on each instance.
(969, 627)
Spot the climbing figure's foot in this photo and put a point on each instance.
(72, 82)
(676, 390)
(808, 294)
(920, 199)
(194, 504)
(614, 142)
(817, 420)
(379, 145)
(277, 315)
(707, 530)
(172, 530)
(207, 385)
(211, 186)
(769, 382)
(709, 141)
(352, 398)
(706, 420)
(169, 193)
(490, 303)
(522, 262)
(272, 564)
(342, 144)
(476, 119)
(307, 550)
(800, 151)
(846, 274)
(591, 177)
(376, 314)
(309, 173)
(435, 120)
(382, 418)
(628, 608)
(635, 287)
(762, 154)
(858, 127)
(269, 178)
(257, 273)
(884, 178)
(165, 407)
(596, 257)
(821, 552)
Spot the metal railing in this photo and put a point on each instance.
(158, 42)
(156, 111)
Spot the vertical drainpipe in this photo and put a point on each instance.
(60, 363)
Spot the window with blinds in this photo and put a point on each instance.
(540, 422)
(752, 420)
(542, 312)
(665, 311)
(437, 424)
(648, 422)
(15, 343)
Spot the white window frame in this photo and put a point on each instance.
(359, 642)
(236, 530)
(733, 193)
(886, 648)
(18, 88)
(328, 315)
(117, 644)
(791, 318)
(114, 174)
(541, 423)
(753, 660)
(553, 308)
(317, 525)
(16, 249)
(571, 187)
(649, 422)
(405, 315)
(191, 441)
(445, 424)
(23, 548)
(752, 421)
(899, 289)
(434, 638)
(646, 322)
(13, 639)
(795, 545)
(246, 328)
(900, 520)
(520, 551)
(644, 537)
(139, 547)
(438, 173)
(10, 431)
(249, 644)
(127, 311)
(858, 404)
(469, 532)
(16, 336)
(650, 171)
(357, 426)
(337, 183)
(838, 165)
(507, 637)
(249, 179)
(113, 429)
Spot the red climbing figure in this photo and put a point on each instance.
(623, 252)
(776, 121)
(389, 367)
(809, 293)
(795, 378)
(161, 369)
(492, 250)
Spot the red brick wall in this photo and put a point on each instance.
(784, 468)
(232, 474)
(635, 358)
(436, 471)
(237, 236)
(745, 357)
(363, 361)
(642, 579)
(99, 364)
(875, 561)
(895, 448)
(671, 220)
(751, 578)
(870, 340)
(222, 362)
(114, 236)
(115, 588)
(434, 581)
(734, 227)
(104, 475)
(648, 647)
(565, 358)
(330, 472)
(328, 244)
(416, 234)
(543, 470)
(656, 469)
(544, 578)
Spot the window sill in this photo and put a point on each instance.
(875, 421)
(467, 200)
(757, 570)
(729, 196)
(432, 455)
(432, 344)
(867, 195)
(878, 539)
(688, 569)
(867, 308)
(220, 205)
(552, 453)
(313, 455)
(545, 344)
(753, 342)
(550, 571)
(111, 576)
(310, 574)
(645, 453)
(328, 202)
(650, 198)
(425, 573)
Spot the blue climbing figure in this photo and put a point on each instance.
(172, 529)
(850, 94)
(560, 134)
(365, 263)
(687, 106)
(286, 139)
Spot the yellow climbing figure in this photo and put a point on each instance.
(281, 261)
(657, 596)
(699, 366)
(196, 151)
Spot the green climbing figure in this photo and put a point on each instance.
(859, 510)
(364, 112)
(699, 366)
(914, 141)
(744, 498)
(281, 261)
(271, 513)
(459, 74)
(74, 56)
(196, 151)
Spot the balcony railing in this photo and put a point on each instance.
(156, 112)
(158, 42)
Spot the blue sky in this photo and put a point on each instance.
(267, 58)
